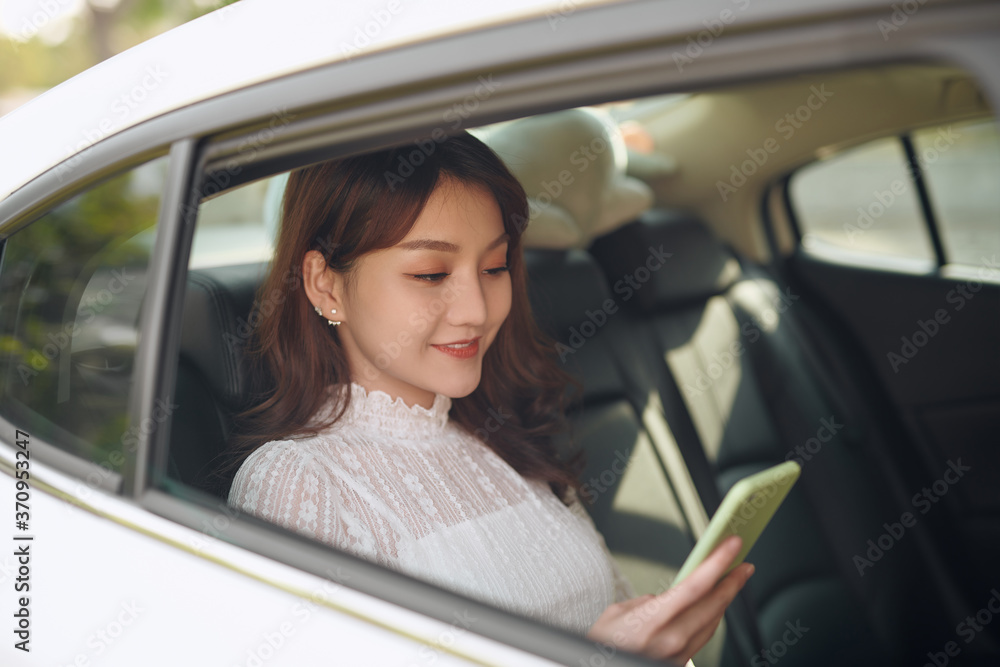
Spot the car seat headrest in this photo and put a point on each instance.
(217, 325)
(572, 165)
(699, 265)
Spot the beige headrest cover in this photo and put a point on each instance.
(572, 166)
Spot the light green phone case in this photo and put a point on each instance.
(745, 511)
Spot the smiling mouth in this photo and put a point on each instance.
(459, 346)
(461, 350)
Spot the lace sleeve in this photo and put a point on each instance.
(623, 588)
(282, 484)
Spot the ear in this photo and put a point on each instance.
(323, 285)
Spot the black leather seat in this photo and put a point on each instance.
(211, 383)
(716, 340)
(640, 499)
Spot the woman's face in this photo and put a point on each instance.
(420, 315)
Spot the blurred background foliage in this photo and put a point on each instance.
(45, 42)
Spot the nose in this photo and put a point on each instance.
(467, 306)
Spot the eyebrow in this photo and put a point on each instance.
(445, 246)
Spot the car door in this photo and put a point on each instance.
(572, 56)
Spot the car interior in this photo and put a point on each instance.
(718, 275)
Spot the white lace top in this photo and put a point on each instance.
(409, 489)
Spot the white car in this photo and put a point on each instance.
(761, 230)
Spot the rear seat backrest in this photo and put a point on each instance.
(626, 486)
(723, 344)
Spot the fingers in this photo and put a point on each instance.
(610, 620)
(706, 575)
(701, 580)
(713, 605)
(657, 616)
(688, 632)
(693, 645)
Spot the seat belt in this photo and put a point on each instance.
(742, 615)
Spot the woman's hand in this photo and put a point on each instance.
(676, 623)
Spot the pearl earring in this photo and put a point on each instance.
(333, 311)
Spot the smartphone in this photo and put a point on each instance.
(745, 511)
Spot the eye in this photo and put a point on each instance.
(429, 277)
(497, 271)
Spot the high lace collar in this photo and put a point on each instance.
(378, 413)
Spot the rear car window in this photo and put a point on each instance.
(862, 201)
(961, 166)
(888, 198)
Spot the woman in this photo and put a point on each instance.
(411, 401)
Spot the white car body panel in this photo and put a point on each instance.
(231, 48)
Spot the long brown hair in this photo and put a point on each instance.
(347, 207)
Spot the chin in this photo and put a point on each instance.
(460, 387)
